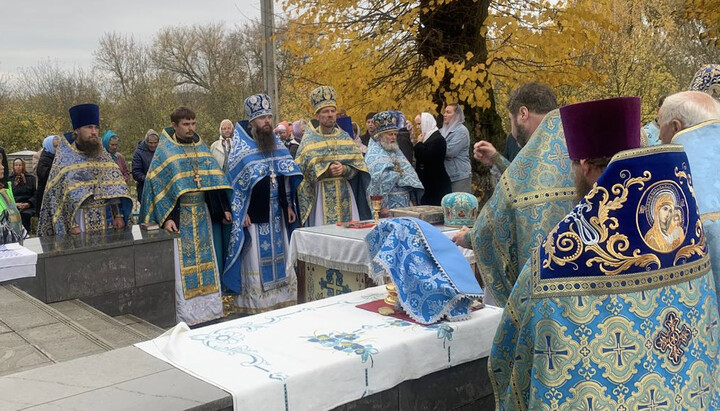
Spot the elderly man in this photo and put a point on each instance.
(692, 119)
(86, 191)
(600, 317)
(392, 176)
(335, 176)
(533, 194)
(221, 147)
(185, 191)
(264, 178)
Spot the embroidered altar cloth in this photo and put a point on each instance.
(321, 354)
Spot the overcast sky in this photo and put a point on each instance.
(67, 31)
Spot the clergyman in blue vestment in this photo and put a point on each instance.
(185, 190)
(85, 191)
(692, 119)
(616, 309)
(265, 179)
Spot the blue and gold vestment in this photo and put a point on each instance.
(603, 317)
(179, 174)
(76, 182)
(392, 176)
(534, 193)
(247, 166)
(702, 146)
(316, 153)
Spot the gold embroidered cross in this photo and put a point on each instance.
(197, 178)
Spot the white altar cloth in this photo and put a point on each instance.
(16, 261)
(321, 354)
(341, 248)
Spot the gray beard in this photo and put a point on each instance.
(389, 146)
(265, 139)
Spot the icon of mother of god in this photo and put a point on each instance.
(667, 232)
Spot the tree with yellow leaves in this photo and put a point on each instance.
(420, 55)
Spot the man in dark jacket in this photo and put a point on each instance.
(365, 138)
(142, 157)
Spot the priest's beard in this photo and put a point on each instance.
(265, 139)
(90, 146)
(389, 146)
(582, 187)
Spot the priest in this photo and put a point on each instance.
(86, 191)
(185, 191)
(601, 317)
(391, 175)
(335, 177)
(264, 178)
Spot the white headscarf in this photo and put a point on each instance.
(428, 125)
(454, 122)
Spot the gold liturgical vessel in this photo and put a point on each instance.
(376, 201)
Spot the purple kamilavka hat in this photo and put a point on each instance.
(601, 128)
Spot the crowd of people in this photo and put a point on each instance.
(598, 240)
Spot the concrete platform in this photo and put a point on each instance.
(34, 334)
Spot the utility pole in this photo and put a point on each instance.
(270, 81)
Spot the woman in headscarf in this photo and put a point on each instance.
(298, 129)
(430, 151)
(111, 141)
(141, 159)
(457, 157)
(23, 188)
(356, 137)
(221, 148)
(43, 167)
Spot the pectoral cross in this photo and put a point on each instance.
(272, 175)
(197, 178)
(397, 167)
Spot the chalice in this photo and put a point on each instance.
(376, 201)
(392, 297)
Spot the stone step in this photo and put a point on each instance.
(145, 328)
(32, 334)
(118, 332)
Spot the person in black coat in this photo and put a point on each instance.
(23, 188)
(42, 170)
(142, 157)
(405, 144)
(5, 165)
(430, 150)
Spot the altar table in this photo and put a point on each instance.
(331, 260)
(322, 354)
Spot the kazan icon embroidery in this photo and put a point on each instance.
(664, 225)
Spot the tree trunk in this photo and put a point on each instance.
(452, 30)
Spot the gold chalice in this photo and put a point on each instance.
(376, 201)
(392, 297)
